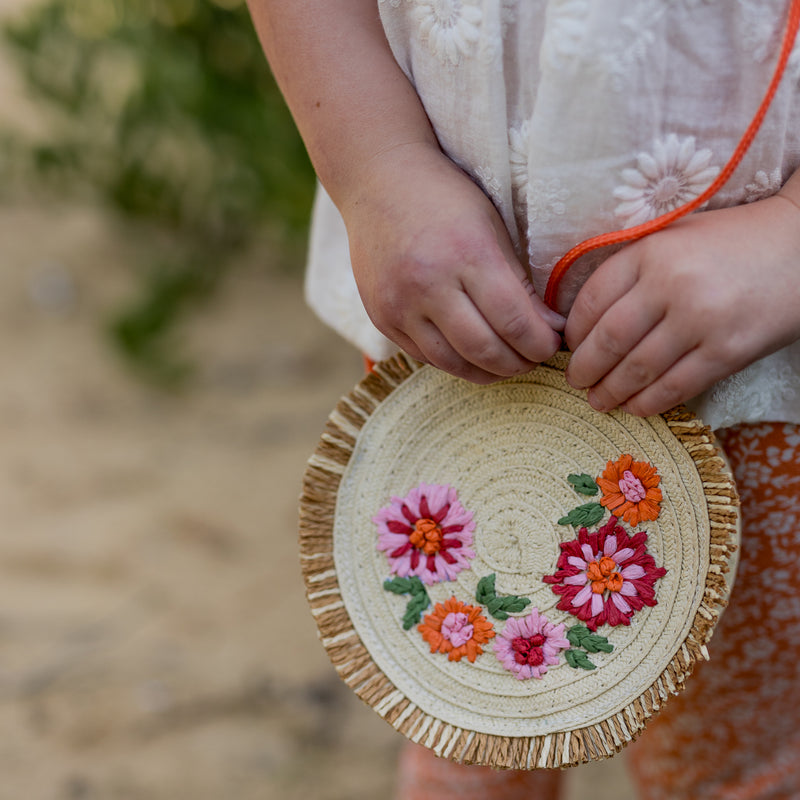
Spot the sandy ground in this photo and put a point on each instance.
(155, 643)
(154, 637)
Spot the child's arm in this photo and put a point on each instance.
(668, 316)
(432, 259)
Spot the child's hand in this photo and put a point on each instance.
(437, 271)
(668, 316)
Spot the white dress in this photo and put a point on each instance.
(579, 117)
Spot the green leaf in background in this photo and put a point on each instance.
(164, 111)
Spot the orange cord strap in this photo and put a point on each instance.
(646, 228)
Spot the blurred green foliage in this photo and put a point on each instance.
(165, 110)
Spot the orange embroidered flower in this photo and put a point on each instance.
(456, 629)
(630, 490)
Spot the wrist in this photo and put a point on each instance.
(391, 171)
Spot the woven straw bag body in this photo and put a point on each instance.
(505, 575)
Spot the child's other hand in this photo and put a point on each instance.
(437, 271)
(668, 316)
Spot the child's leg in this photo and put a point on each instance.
(735, 731)
(422, 776)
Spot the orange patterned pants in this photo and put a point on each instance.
(734, 733)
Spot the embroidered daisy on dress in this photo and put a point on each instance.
(489, 183)
(528, 646)
(764, 184)
(450, 27)
(456, 629)
(604, 577)
(508, 14)
(427, 533)
(518, 139)
(565, 34)
(546, 199)
(672, 176)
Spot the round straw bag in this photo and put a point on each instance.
(505, 575)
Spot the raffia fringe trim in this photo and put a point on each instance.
(356, 667)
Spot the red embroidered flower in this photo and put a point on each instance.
(529, 645)
(604, 577)
(427, 533)
(630, 490)
(456, 629)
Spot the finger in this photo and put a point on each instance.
(520, 274)
(611, 281)
(524, 324)
(555, 320)
(619, 331)
(437, 350)
(470, 334)
(646, 362)
(688, 377)
(408, 347)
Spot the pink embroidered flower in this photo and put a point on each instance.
(427, 533)
(457, 629)
(529, 645)
(630, 490)
(604, 577)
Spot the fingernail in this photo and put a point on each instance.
(571, 382)
(555, 320)
(595, 403)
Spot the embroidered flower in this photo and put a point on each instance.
(764, 184)
(564, 38)
(508, 14)
(547, 199)
(672, 176)
(427, 533)
(490, 185)
(529, 645)
(449, 26)
(518, 144)
(604, 577)
(456, 629)
(630, 490)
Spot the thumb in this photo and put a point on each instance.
(555, 320)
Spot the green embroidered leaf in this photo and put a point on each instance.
(419, 597)
(485, 591)
(577, 659)
(498, 607)
(584, 484)
(416, 605)
(597, 644)
(583, 516)
(581, 636)
(575, 634)
(515, 604)
(398, 585)
(495, 606)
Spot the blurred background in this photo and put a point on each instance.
(162, 386)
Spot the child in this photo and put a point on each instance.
(464, 147)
